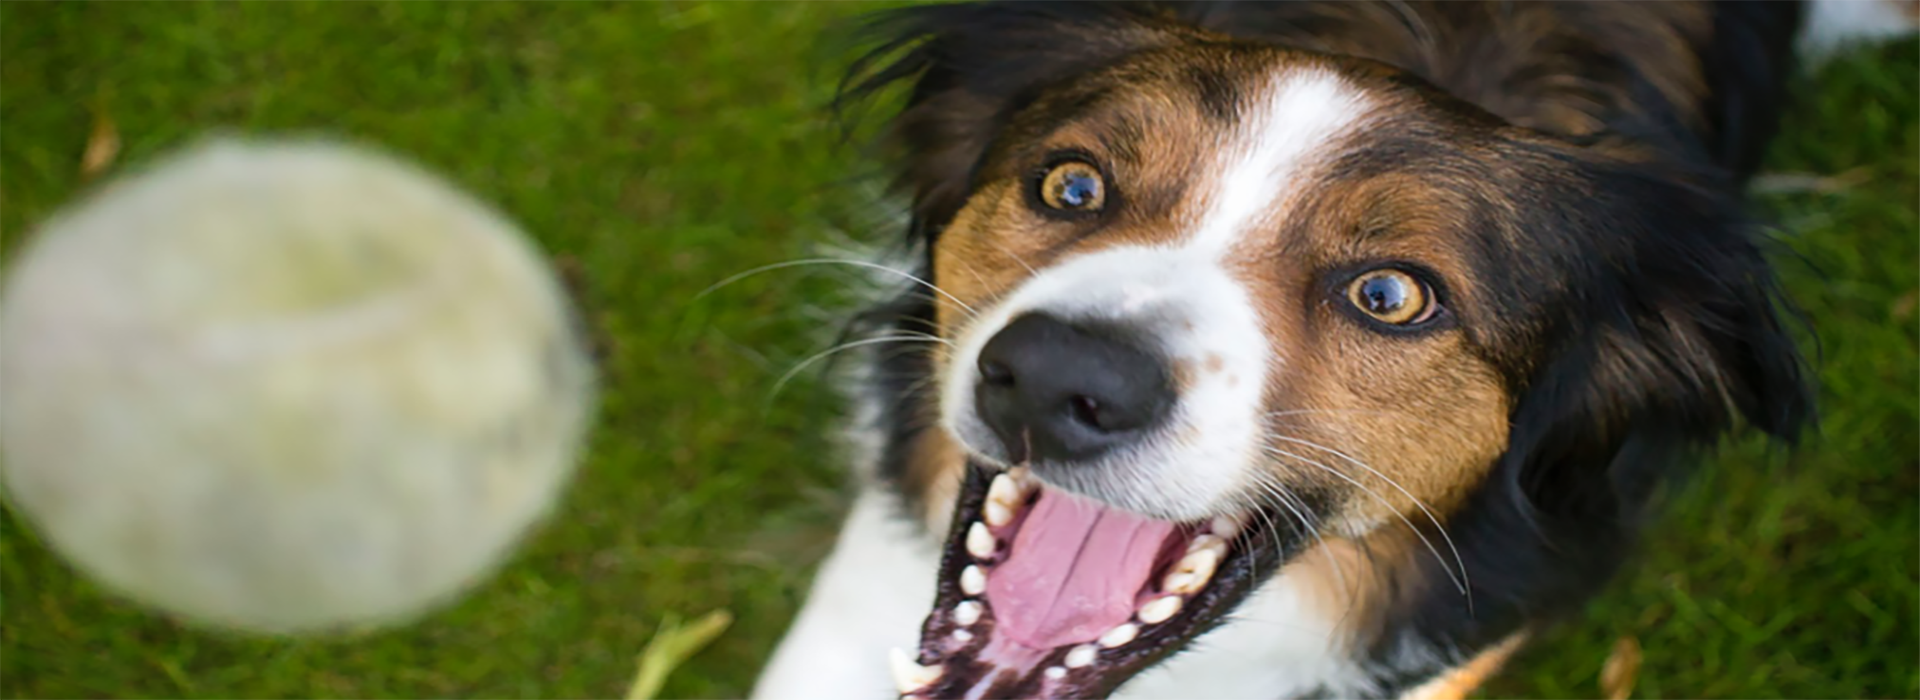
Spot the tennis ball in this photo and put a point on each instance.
(286, 387)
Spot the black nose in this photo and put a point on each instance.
(1061, 392)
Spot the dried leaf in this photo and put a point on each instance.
(1904, 306)
(1796, 183)
(103, 145)
(1622, 670)
(672, 645)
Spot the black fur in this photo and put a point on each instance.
(1662, 333)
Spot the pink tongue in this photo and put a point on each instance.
(1075, 571)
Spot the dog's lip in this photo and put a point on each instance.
(960, 655)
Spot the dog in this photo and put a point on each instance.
(1306, 349)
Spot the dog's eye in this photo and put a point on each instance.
(1392, 296)
(1074, 186)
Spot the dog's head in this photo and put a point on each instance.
(1207, 296)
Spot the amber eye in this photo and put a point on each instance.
(1074, 186)
(1392, 296)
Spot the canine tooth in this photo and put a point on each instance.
(909, 675)
(1209, 542)
(1056, 672)
(1003, 496)
(1120, 635)
(1192, 572)
(966, 613)
(1160, 609)
(973, 581)
(979, 541)
(996, 514)
(1228, 526)
(1081, 656)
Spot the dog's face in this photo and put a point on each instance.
(1210, 273)
(1211, 299)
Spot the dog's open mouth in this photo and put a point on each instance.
(1044, 594)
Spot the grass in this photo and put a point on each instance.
(658, 148)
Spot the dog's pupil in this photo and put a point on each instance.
(1078, 190)
(1384, 295)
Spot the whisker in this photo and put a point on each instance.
(1361, 411)
(834, 261)
(1292, 503)
(804, 364)
(1435, 551)
(1015, 256)
(1463, 582)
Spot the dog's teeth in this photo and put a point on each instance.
(1119, 636)
(1213, 543)
(997, 515)
(1081, 656)
(962, 636)
(973, 581)
(1160, 609)
(909, 675)
(1192, 572)
(1228, 526)
(1003, 496)
(966, 613)
(1056, 672)
(979, 541)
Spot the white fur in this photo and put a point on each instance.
(873, 592)
(870, 595)
(1834, 25)
(1277, 644)
(1186, 296)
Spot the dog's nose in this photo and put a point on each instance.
(1061, 392)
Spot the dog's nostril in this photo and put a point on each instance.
(1087, 411)
(1067, 392)
(995, 373)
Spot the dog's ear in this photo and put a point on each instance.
(970, 67)
(1676, 332)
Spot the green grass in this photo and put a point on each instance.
(661, 147)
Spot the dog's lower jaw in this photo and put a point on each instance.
(871, 595)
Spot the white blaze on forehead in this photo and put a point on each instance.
(1293, 123)
(1180, 297)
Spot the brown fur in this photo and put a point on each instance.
(1446, 415)
(1462, 681)
(1518, 91)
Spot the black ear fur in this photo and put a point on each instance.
(1677, 335)
(1672, 331)
(971, 67)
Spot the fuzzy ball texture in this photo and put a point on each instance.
(286, 387)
